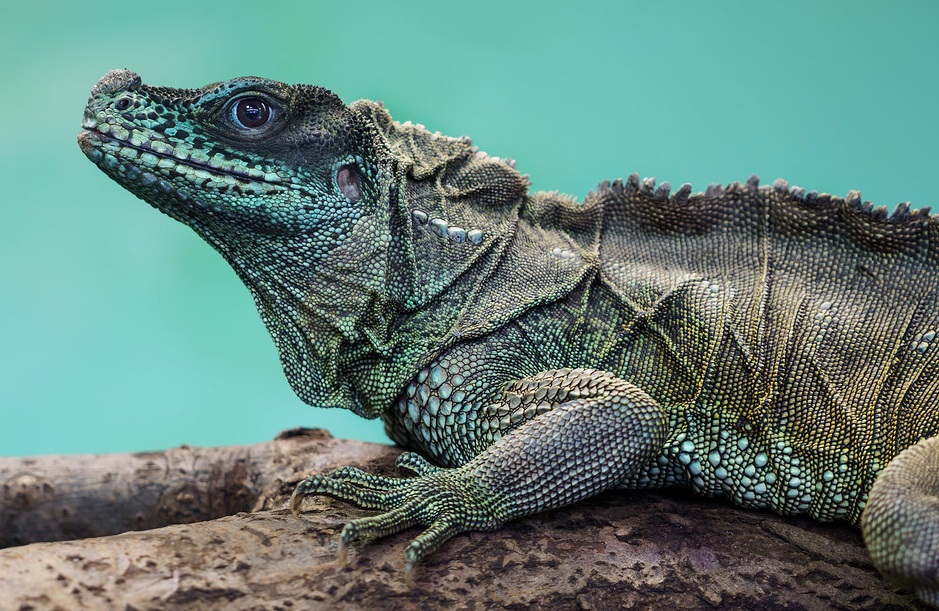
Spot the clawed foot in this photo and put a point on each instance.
(445, 501)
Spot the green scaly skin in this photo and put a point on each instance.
(768, 345)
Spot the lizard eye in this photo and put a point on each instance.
(250, 113)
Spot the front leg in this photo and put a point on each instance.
(580, 432)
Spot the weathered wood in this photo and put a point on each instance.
(620, 550)
(56, 498)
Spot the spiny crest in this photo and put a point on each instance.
(684, 211)
(427, 153)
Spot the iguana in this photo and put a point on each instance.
(773, 346)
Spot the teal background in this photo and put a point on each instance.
(121, 330)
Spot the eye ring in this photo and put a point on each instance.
(251, 112)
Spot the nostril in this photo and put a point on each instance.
(123, 103)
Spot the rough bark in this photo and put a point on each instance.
(56, 498)
(620, 550)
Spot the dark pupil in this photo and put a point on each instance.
(252, 112)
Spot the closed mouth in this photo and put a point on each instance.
(158, 164)
(158, 154)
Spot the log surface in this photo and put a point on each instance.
(623, 549)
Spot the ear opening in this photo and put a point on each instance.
(347, 179)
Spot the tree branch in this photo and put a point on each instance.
(622, 549)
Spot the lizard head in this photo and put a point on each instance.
(248, 156)
(280, 179)
(336, 218)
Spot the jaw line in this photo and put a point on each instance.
(91, 138)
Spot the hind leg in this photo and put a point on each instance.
(901, 520)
